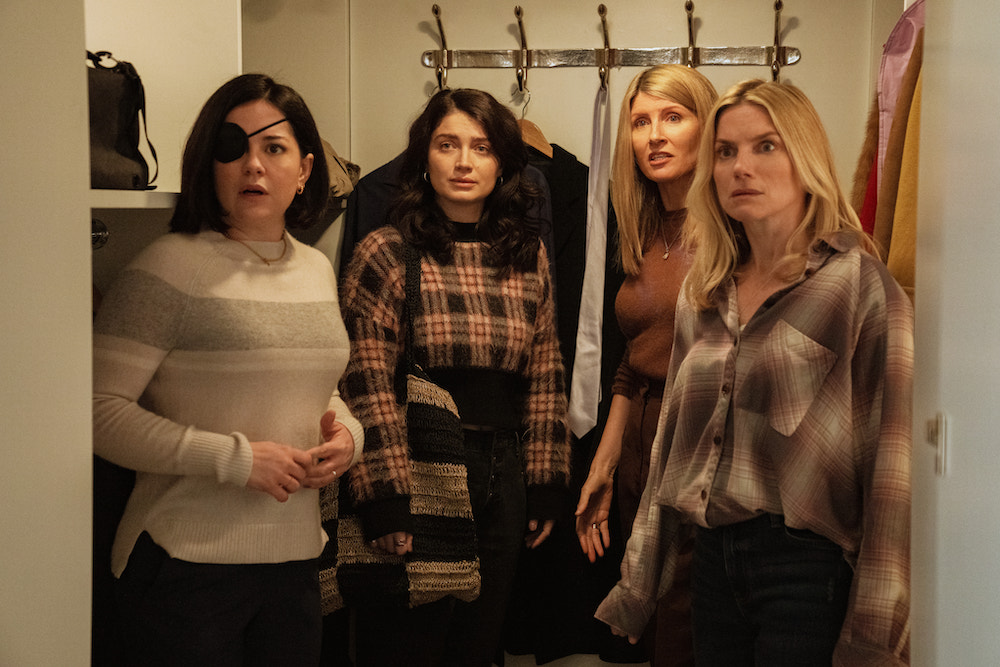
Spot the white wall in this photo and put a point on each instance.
(182, 50)
(956, 518)
(45, 476)
(389, 85)
(45, 273)
(306, 45)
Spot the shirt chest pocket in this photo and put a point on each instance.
(786, 376)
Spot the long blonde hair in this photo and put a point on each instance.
(720, 242)
(635, 198)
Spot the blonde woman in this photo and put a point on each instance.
(662, 117)
(785, 435)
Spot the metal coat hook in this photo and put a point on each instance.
(605, 57)
(775, 62)
(522, 69)
(773, 56)
(689, 8)
(442, 71)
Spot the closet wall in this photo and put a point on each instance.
(45, 271)
(183, 51)
(45, 384)
(956, 516)
(389, 84)
(305, 44)
(358, 65)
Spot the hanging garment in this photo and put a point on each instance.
(556, 591)
(903, 245)
(368, 206)
(585, 394)
(895, 59)
(896, 55)
(897, 198)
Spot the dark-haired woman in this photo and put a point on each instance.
(486, 332)
(216, 361)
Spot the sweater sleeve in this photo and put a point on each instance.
(345, 417)
(133, 333)
(626, 380)
(876, 627)
(547, 449)
(372, 306)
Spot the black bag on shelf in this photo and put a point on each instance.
(117, 104)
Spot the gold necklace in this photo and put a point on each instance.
(284, 248)
(666, 246)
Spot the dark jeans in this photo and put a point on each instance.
(173, 612)
(765, 594)
(451, 632)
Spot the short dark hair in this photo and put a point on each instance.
(198, 204)
(505, 224)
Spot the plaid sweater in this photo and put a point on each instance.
(470, 319)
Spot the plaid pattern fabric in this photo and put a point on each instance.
(470, 319)
(806, 412)
(443, 561)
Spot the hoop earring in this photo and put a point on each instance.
(301, 189)
(427, 177)
(499, 180)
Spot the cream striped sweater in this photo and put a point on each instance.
(199, 349)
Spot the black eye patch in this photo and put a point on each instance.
(232, 143)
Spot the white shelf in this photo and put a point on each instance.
(138, 199)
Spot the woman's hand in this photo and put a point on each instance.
(538, 533)
(333, 457)
(618, 632)
(277, 469)
(594, 508)
(398, 543)
(592, 513)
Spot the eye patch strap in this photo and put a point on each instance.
(232, 142)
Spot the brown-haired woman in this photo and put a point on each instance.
(486, 332)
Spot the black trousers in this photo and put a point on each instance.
(173, 612)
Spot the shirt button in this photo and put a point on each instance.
(717, 440)
(704, 494)
(725, 389)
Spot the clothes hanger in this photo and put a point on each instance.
(530, 133)
(532, 136)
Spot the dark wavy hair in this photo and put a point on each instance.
(198, 204)
(505, 225)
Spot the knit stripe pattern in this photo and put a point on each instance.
(199, 349)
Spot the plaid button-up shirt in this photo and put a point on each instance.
(805, 412)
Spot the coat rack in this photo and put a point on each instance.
(775, 56)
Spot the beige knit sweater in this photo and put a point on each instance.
(199, 349)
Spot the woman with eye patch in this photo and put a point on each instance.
(217, 355)
(785, 431)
